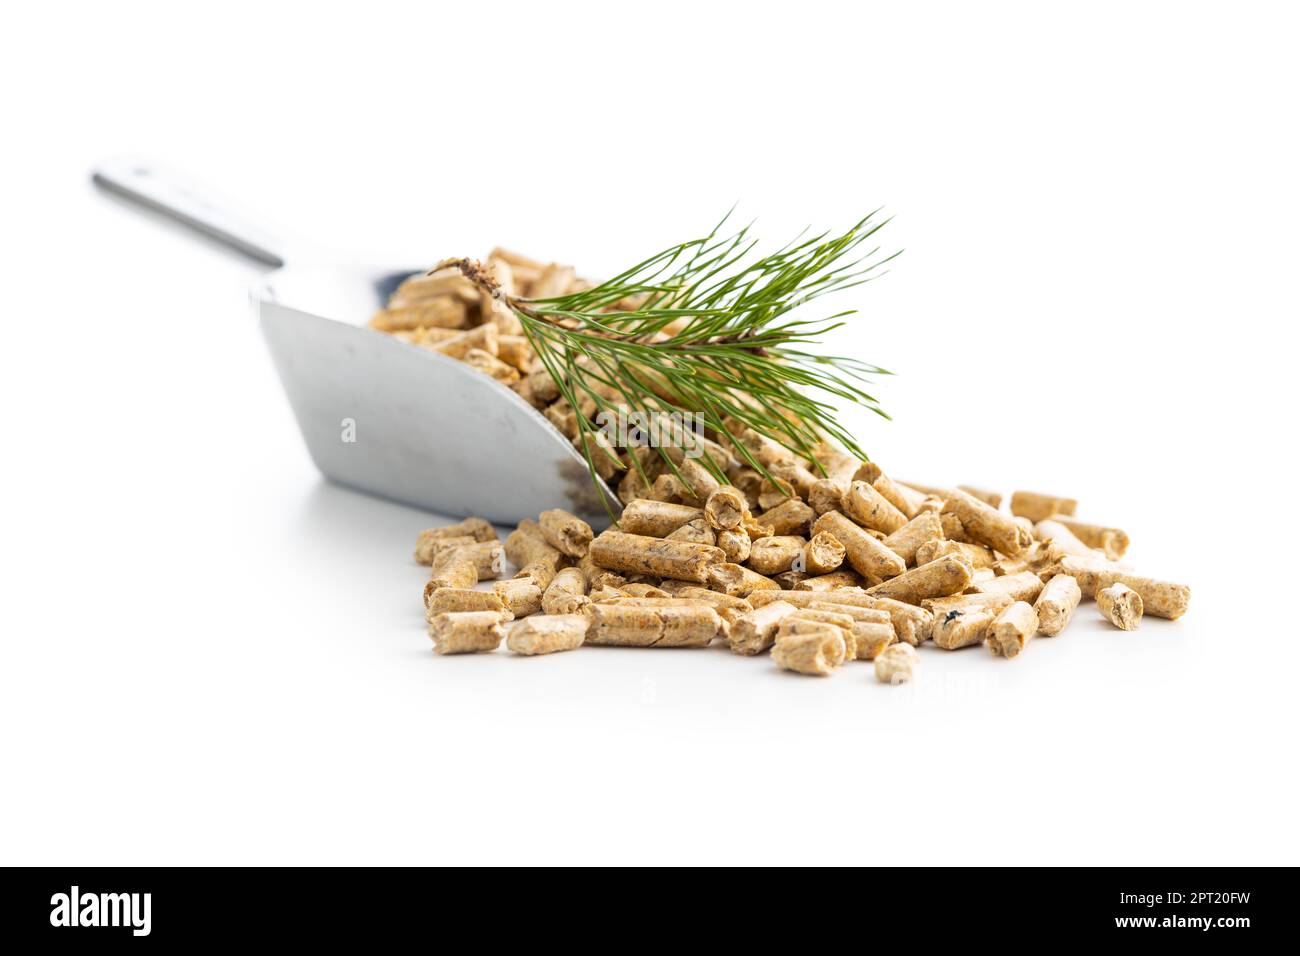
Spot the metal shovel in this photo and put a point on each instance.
(378, 414)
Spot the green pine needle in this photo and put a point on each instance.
(735, 353)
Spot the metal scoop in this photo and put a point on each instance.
(378, 414)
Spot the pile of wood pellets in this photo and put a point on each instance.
(854, 566)
(818, 563)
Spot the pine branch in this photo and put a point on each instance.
(707, 327)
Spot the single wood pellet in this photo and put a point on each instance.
(774, 554)
(521, 596)
(907, 540)
(670, 488)
(698, 531)
(986, 525)
(451, 570)
(655, 518)
(1120, 605)
(730, 609)
(429, 549)
(855, 596)
(755, 631)
(819, 616)
(465, 632)
(896, 664)
(727, 508)
(793, 626)
(1111, 541)
(870, 638)
(995, 601)
(1056, 603)
(1011, 629)
(869, 508)
(1052, 532)
(567, 593)
(952, 528)
(1024, 586)
(868, 615)
(475, 528)
(825, 495)
(737, 580)
(821, 555)
(791, 517)
(976, 555)
(817, 652)
(568, 534)
(488, 558)
(640, 554)
(664, 625)
(699, 483)
(737, 546)
(597, 576)
(484, 337)
(527, 546)
(939, 578)
(962, 627)
(905, 499)
(868, 471)
(831, 581)
(1036, 507)
(546, 633)
(866, 555)
(444, 600)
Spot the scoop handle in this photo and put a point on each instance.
(173, 196)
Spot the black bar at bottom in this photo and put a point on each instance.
(635, 907)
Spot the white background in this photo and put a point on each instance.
(211, 656)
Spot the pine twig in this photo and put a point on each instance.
(706, 327)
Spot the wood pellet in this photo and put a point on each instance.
(896, 664)
(639, 625)
(641, 554)
(818, 651)
(755, 632)
(821, 555)
(1011, 629)
(465, 632)
(567, 593)
(547, 634)
(1056, 603)
(1120, 605)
